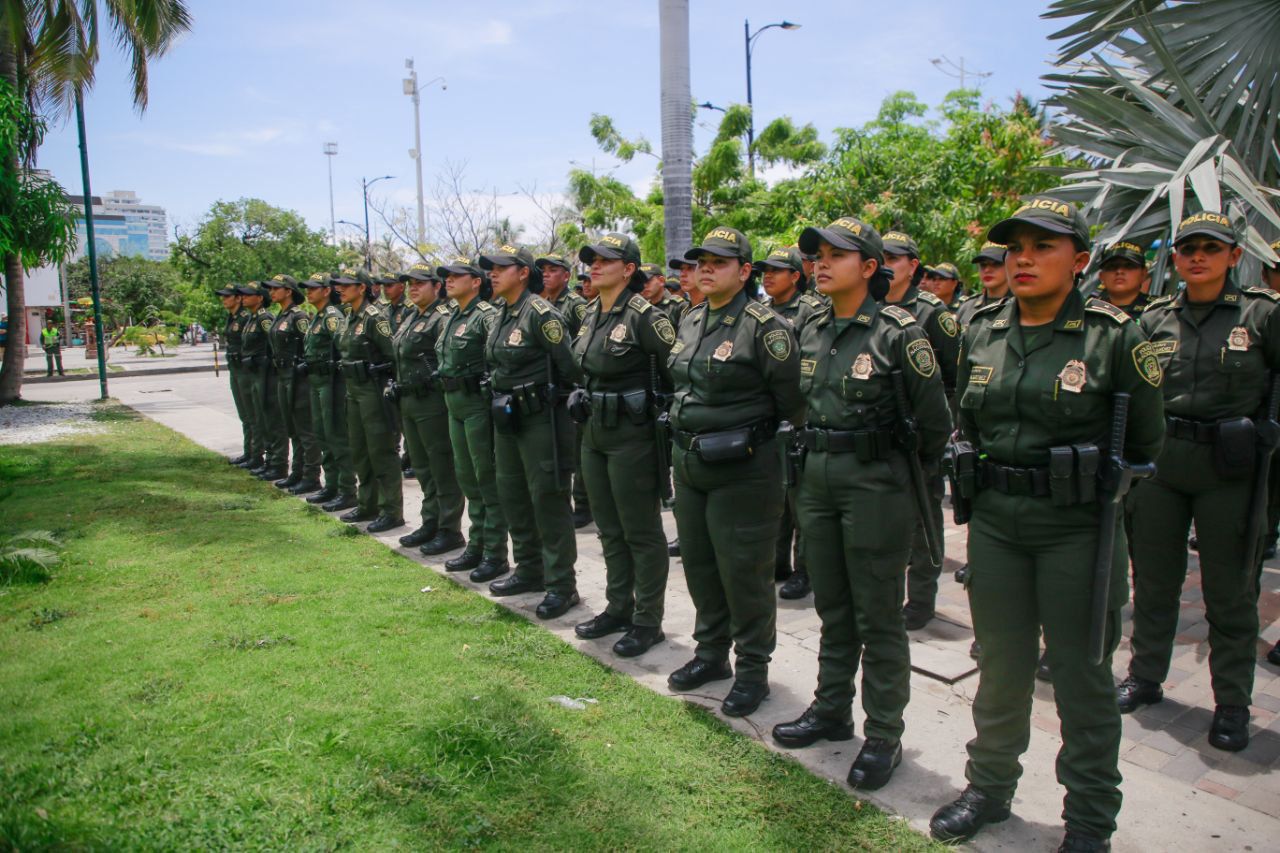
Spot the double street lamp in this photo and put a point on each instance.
(365, 183)
(749, 40)
(412, 89)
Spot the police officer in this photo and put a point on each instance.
(1271, 279)
(256, 357)
(231, 339)
(423, 414)
(1124, 267)
(736, 371)
(784, 281)
(902, 257)
(1038, 375)
(328, 395)
(947, 285)
(288, 330)
(51, 343)
(531, 369)
(392, 302)
(1219, 344)
(572, 307)
(622, 351)
(461, 376)
(854, 496)
(686, 271)
(992, 276)
(365, 349)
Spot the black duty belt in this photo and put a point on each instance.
(319, 366)
(761, 431)
(868, 444)
(1011, 480)
(1201, 432)
(421, 388)
(469, 383)
(233, 359)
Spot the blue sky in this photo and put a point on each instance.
(243, 104)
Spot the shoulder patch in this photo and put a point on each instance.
(812, 301)
(384, 328)
(762, 314)
(778, 343)
(302, 323)
(1098, 306)
(1148, 364)
(539, 304)
(1264, 292)
(902, 316)
(920, 356)
(580, 309)
(553, 331)
(662, 326)
(638, 303)
(331, 323)
(931, 299)
(947, 322)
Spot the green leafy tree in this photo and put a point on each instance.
(132, 289)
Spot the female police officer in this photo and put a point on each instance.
(865, 367)
(328, 396)
(530, 366)
(622, 349)
(1036, 385)
(736, 372)
(1220, 346)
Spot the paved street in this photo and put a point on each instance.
(1180, 794)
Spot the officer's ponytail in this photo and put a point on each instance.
(918, 275)
(752, 285)
(486, 287)
(638, 280)
(878, 284)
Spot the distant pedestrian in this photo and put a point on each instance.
(51, 340)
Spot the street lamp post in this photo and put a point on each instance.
(749, 40)
(331, 149)
(94, 290)
(365, 183)
(412, 89)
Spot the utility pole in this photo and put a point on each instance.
(958, 70)
(330, 149)
(368, 246)
(749, 40)
(411, 89)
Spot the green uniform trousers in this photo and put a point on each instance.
(295, 408)
(471, 433)
(266, 411)
(581, 495)
(425, 420)
(1186, 487)
(1031, 567)
(373, 450)
(329, 421)
(856, 519)
(242, 378)
(243, 410)
(535, 499)
(620, 468)
(922, 574)
(788, 528)
(727, 519)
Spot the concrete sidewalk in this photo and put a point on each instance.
(122, 361)
(1180, 794)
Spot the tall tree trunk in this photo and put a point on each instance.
(677, 126)
(15, 350)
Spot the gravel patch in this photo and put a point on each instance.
(34, 424)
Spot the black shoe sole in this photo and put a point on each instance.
(875, 783)
(841, 734)
(488, 575)
(509, 591)
(743, 711)
(685, 688)
(628, 652)
(998, 817)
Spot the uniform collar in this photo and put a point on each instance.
(728, 315)
(909, 297)
(1229, 295)
(514, 307)
(864, 316)
(1070, 316)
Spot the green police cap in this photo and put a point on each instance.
(897, 243)
(1131, 252)
(419, 272)
(285, 281)
(845, 233)
(554, 259)
(783, 259)
(248, 289)
(725, 242)
(319, 279)
(505, 256)
(1208, 224)
(679, 263)
(229, 290)
(946, 269)
(460, 265)
(346, 276)
(1045, 212)
(387, 278)
(584, 276)
(651, 270)
(990, 251)
(611, 247)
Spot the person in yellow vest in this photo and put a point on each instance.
(51, 341)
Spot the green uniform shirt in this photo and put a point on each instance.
(972, 305)
(572, 306)
(846, 368)
(232, 330)
(460, 344)
(1134, 309)
(799, 309)
(287, 333)
(735, 368)
(1217, 366)
(396, 312)
(614, 348)
(255, 334)
(366, 336)
(941, 327)
(322, 335)
(675, 307)
(522, 337)
(1017, 401)
(415, 342)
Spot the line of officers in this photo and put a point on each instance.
(816, 423)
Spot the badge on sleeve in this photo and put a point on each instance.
(862, 366)
(384, 328)
(947, 321)
(665, 330)
(723, 351)
(778, 343)
(553, 331)
(1073, 376)
(1238, 339)
(920, 354)
(1148, 363)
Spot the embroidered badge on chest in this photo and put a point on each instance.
(1238, 339)
(515, 338)
(1073, 376)
(861, 366)
(723, 351)
(618, 333)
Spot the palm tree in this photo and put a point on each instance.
(677, 126)
(48, 54)
(1162, 96)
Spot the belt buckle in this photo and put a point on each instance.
(1019, 481)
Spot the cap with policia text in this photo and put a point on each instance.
(651, 270)
(345, 276)
(845, 233)
(285, 281)
(387, 278)
(1045, 212)
(990, 251)
(611, 247)
(1122, 251)
(319, 279)
(553, 259)
(783, 259)
(461, 265)
(679, 263)
(724, 242)
(419, 272)
(229, 290)
(510, 255)
(897, 243)
(946, 269)
(1206, 224)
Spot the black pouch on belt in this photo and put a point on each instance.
(1088, 459)
(637, 406)
(727, 446)
(1062, 476)
(1234, 451)
(506, 418)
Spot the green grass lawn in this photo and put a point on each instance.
(216, 665)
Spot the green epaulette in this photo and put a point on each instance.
(1099, 306)
(931, 298)
(761, 313)
(812, 301)
(1264, 292)
(638, 302)
(539, 304)
(903, 316)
